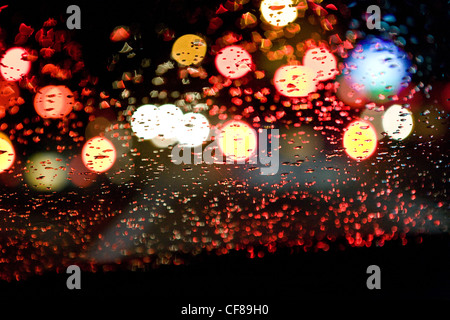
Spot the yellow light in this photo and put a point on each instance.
(360, 140)
(98, 154)
(46, 171)
(237, 140)
(189, 49)
(7, 153)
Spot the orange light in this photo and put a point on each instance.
(360, 140)
(54, 102)
(237, 140)
(98, 154)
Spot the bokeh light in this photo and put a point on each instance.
(189, 49)
(279, 13)
(54, 102)
(144, 121)
(380, 67)
(397, 122)
(193, 130)
(169, 121)
(295, 80)
(14, 64)
(98, 154)
(46, 172)
(322, 61)
(360, 140)
(7, 153)
(237, 140)
(233, 62)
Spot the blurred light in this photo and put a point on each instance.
(279, 13)
(79, 174)
(98, 154)
(380, 68)
(7, 153)
(169, 121)
(144, 121)
(189, 49)
(360, 140)
(46, 171)
(233, 62)
(295, 80)
(193, 130)
(397, 122)
(322, 61)
(13, 65)
(54, 102)
(237, 140)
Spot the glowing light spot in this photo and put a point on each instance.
(169, 120)
(322, 61)
(233, 62)
(397, 122)
(295, 81)
(194, 129)
(279, 13)
(13, 65)
(380, 67)
(237, 140)
(54, 102)
(360, 140)
(189, 49)
(98, 154)
(7, 153)
(144, 121)
(46, 172)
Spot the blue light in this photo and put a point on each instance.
(380, 67)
